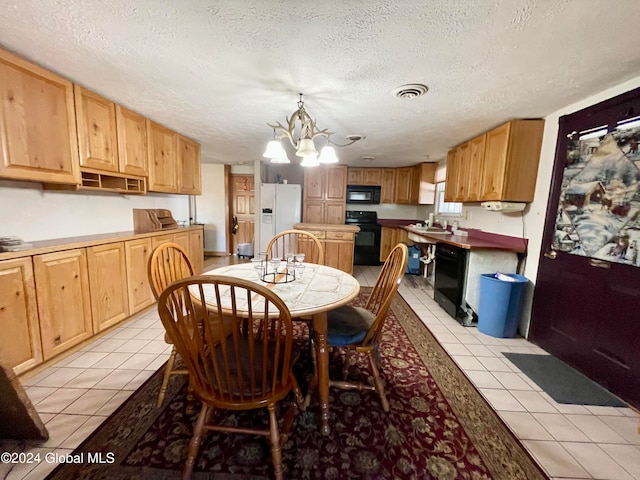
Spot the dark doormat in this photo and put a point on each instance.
(561, 382)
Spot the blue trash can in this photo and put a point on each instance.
(500, 304)
(413, 265)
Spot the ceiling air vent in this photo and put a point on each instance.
(410, 90)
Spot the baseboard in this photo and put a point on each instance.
(216, 254)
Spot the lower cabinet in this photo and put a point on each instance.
(183, 239)
(107, 285)
(137, 253)
(196, 251)
(391, 236)
(160, 239)
(64, 306)
(20, 348)
(338, 250)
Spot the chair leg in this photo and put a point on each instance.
(276, 448)
(314, 380)
(167, 373)
(300, 400)
(194, 444)
(378, 382)
(347, 359)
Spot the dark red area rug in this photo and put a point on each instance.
(439, 427)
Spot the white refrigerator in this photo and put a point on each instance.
(281, 209)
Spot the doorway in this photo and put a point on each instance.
(242, 225)
(587, 296)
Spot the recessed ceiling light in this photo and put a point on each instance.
(410, 90)
(368, 158)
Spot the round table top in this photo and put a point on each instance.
(318, 289)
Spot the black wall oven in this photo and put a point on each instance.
(451, 271)
(363, 194)
(367, 242)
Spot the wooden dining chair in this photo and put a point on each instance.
(296, 241)
(241, 371)
(357, 329)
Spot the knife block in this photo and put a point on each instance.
(152, 220)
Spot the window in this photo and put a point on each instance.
(453, 209)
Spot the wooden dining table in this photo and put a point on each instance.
(311, 295)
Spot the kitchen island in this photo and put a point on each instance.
(337, 240)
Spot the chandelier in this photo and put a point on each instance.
(303, 142)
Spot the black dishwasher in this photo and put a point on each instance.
(451, 270)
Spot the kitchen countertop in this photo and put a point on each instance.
(395, 222)
(475, 240)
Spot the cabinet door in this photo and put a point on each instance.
(64, 307)
(96, 118)
(132, 142)
(404, 184)
(137, 253)
(37, 124)
(196, 249)
(373, 176)
(336, 184)
(388, 190)
(387, 242)
(426, 184)
(495, 158)
(184, 240)
(189, 166)
(108, 285)
(355, 176)
(313, 212)
(20, 347)
(159, 240)
(339, 254)
(451, 181)
(476, 164)
(334, 213)
(463, 155)
(314, 184)
(162, 159)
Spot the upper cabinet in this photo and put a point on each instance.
(364, 176)
(325, 191)
(189, 166)
(132, 142)
(162, 148)
(97, 139)
(501, 165)
(37, 124)
(388, 183)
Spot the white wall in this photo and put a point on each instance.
(28, 211)
(210, 208)
(393, 211)
(533, 219)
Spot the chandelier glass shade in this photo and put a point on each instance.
(303, 141)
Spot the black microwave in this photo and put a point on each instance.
(363, 194)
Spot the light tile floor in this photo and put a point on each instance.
(76, 394)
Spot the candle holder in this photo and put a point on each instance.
(275, 276)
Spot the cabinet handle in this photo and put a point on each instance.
(552, 254)
(599, 263)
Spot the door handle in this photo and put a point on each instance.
(599, 263)
(552, 254)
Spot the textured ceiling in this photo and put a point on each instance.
(218, 71)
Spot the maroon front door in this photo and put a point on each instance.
(586, 305)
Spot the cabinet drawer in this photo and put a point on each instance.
(319, 234)
(339, 236)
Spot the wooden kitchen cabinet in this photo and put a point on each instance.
(476, 166)
(424, 181)
(387, 242)
(162, 153)
(137, 253)
(97, 140)
(37, 124)
(388, 182)
(325, 190)
(189, 178)
(463, 157)
(20, 347)
(107, 285)
(64, 305)
(196, 250)
(364, 176)
(355, 176)
(131, 128)
(160, 239)
(511, 157)
(451, 181)
(404, 185)
(338, 250)
(184, 240)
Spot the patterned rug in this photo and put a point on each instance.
(439, 427)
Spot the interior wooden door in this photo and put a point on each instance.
(585, 306)
(242, 205)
